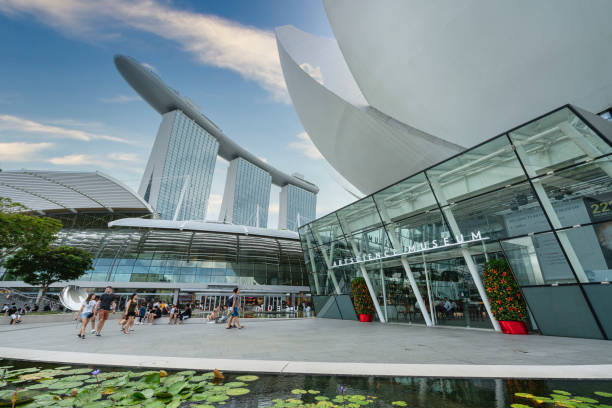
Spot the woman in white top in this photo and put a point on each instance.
(87, 309)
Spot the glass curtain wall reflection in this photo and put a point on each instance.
(539, 195)
(173, 256)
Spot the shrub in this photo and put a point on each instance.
(361, 297)
(507, 303)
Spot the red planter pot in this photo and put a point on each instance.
(510, 327)
(365, 318)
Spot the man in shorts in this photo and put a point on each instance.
(235, 306)
(107, 303)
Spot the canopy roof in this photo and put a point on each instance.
(58, 191)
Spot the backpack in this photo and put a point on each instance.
(230, 301)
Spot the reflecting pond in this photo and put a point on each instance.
(25, 384)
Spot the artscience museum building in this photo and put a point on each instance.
(538, 195)
(405, 102)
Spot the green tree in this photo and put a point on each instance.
(21, 231)
(47, 266)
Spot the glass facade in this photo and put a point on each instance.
(188, 167)
(190, 257)
(297, 207)
(247, 195)
(539, 195)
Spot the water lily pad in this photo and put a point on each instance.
(561, 392)
(399, 403)
(176, 387)
(523, 395)
(587, 400)
(235, 384)
(217, 398)
(321, 398)
(247, 378)
(603, 394)
(237, 391)
(75, 371)
(298, 391)
(202, 406)
(519, 406)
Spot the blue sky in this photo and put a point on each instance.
(64, 106)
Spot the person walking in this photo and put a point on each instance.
(86, 311)
(142, 315)
(95, 314)
(107, 303)
(131, 310)
(234, 303)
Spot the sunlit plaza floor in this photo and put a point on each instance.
(316, 346)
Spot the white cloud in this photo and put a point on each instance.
(132, 157)
(75, 160)
(306, 147)
(120, 99)
(110, 161)
(20, 152)
(212, 40)
(10, 122)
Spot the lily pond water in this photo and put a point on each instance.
(24, 384)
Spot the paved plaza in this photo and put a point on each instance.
(322, 346)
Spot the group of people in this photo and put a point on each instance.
(14, 312)
(101, 306)
(96, 306)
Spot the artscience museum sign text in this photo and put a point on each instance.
(413, 248)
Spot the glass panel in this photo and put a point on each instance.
(538, 260)
(482, 169)
(556, 140)
(508, 212)
(405, 199)
(592, 246)
(326, 229)
(561, 311)
(419, 229)
(374, 243)
(359, 216)
(581, 194)
(600, 297)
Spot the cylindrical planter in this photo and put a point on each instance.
(365, 318)
(511, 327)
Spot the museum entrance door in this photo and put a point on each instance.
(444, 281)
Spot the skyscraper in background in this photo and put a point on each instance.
(296, 207)
(178, 176)
(246, 197)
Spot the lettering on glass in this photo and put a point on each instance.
(414, 247)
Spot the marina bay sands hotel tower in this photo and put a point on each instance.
(178, 176)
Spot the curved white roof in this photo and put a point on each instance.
(369, 148)
(165, 99)
(52, 191)
(202, 226)
(456, 72)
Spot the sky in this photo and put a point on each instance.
(64, 106)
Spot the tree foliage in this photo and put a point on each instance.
(21, 231)
(504, 294)
(49, 265)
(361, 297)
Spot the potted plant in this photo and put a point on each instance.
(362, 300)
(507, 304)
